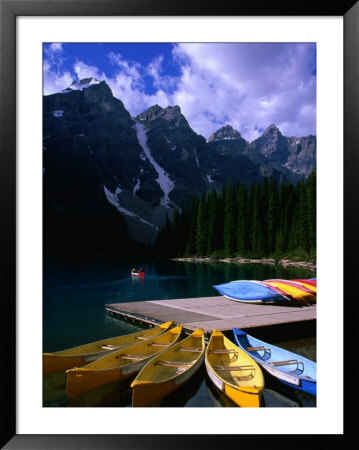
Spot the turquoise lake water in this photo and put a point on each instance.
(74, 299)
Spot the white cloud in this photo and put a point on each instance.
(83, 70)
(56, 47)
(248, 86)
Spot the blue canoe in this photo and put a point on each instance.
(290, 368)
(250, 291)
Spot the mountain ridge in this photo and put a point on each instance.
(147, 166)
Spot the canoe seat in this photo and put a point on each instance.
(224, 351)
(159, 344)
(189, 349)
(285, 363)
(248, 367)
(173, 363)
(257, 349)
(134, 357)
(110, 347)
(245, 377)
(145, 338)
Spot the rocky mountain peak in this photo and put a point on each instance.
(154, 112)
(271, 129)
(226, 132)
(151, 113)
(172, 112)
(141, 171)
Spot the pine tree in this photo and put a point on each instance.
(202, 228)
(242, 233)
(249, 215)
(175, 232)
(229, 232)
(191, 240)
(312, 210)
(212, 218)
(272, 216)
(256, 222)
(257, 231)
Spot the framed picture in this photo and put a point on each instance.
(25, 26)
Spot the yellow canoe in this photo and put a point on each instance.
(309, 286)
(84, 354)
(169, 370)
(233, 371)
(299, 293)
(119, 364)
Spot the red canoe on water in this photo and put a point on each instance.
(138, 274)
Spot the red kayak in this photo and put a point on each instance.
(307, 281)
(138, 274)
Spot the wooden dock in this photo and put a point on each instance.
(221, 313)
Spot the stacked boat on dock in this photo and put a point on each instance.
(299, 292)
(161, 360)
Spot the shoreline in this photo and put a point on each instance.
(285, 263)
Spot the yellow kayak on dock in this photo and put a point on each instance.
(233, 371)
(169, 370)
(84, 354)
(298, 292)
(119, 364)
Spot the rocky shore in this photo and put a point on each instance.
(284, 262)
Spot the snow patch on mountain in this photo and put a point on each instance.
(165, 183)
(80, 85)
(113, 199)
(195, 154)
(137, 186)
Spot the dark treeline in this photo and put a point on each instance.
(264, 220)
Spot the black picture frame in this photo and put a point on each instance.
(9, 10)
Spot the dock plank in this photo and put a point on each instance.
(212, 312)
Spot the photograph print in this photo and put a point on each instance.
(179, 224)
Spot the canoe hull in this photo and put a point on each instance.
(306, 386)
(80, 382)
(299, 292)
(85, 354)
(241, 398)
(147, 394)
(300, 376)
(118, 365)
(158, 378)
(312, 282)
(233, 371)
(249, 291)
(53, 363)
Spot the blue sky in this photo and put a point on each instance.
(248, 85)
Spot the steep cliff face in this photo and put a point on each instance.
(280, 152)
(302, 154)
(177, 149)
(286, 158)
(106, 170)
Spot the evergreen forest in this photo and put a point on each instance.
(261, 221)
